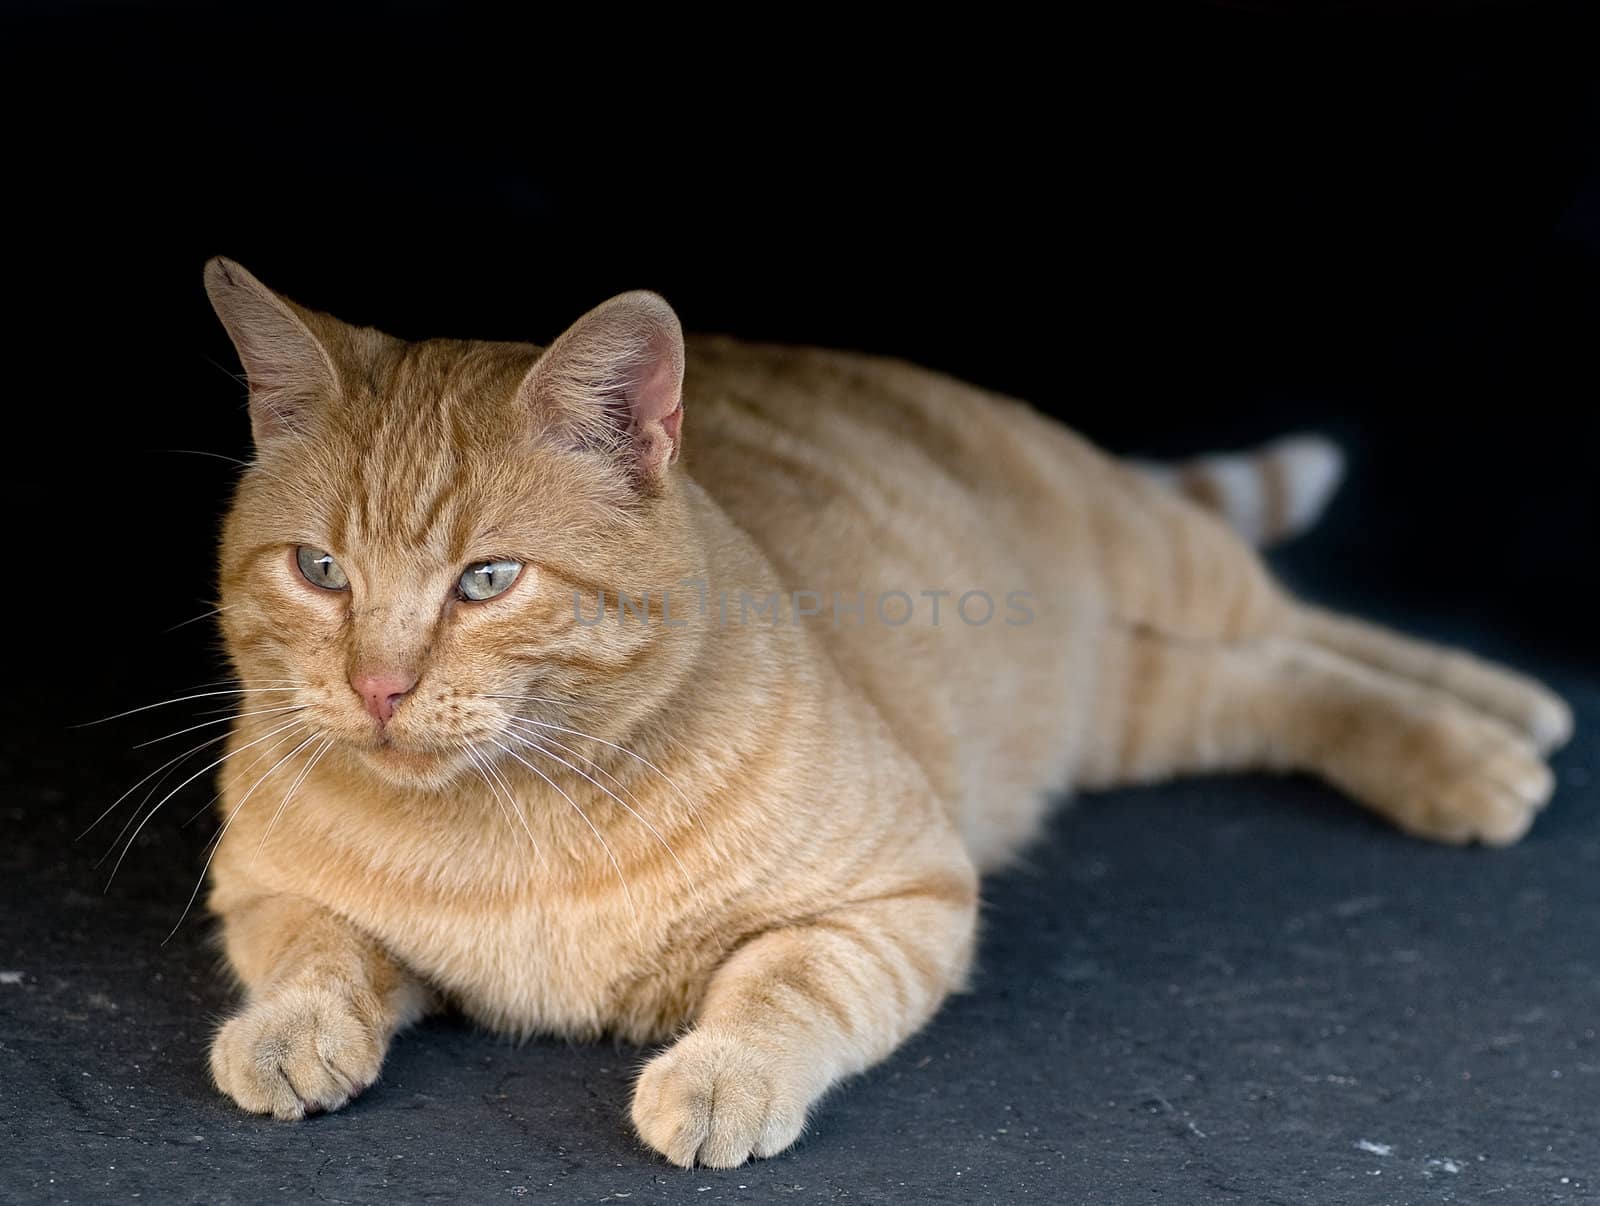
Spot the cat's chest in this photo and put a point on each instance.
(548, 960)
(539, 936)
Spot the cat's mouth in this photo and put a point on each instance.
(394, 755)
(399, 760)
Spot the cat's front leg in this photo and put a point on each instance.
(796, 1009)
(324, 1001)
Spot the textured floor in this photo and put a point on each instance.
(1382, 225)
(1230, 990)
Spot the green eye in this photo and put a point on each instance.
(320, 569)
(487, 579)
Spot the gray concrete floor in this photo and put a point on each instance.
(1237, 989)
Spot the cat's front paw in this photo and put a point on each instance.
(716, 1100)
(296, 1052)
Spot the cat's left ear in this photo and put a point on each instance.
(614, 380)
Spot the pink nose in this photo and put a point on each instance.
(382, 690)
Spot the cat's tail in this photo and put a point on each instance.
(1268, 494)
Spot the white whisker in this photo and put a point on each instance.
(204, 615)
(516, 807)
(504, 815)
(505, 789)
(533, 744)
(206, 724)
(580, 755)
(233, 680)
(616, 866)
(113, 805)
(246, 465)
(182, 699)
(209, 766)
(221, 833)
(244, 770)
(316, 756)
(621, 749)
(155, 787)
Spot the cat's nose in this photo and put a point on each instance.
(382, 690)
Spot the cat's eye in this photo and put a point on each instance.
(486, 579)
(320, 569)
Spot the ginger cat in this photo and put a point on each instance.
(746, 811)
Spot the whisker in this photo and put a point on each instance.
(141, 783)
(616, 866)
(549, 699)
(504, 815)
(204, 615)
(221, 833)
(542, 738)
(225, 710)
(532, 744)
(232, 460)
(585, 758)
(233, 680)
(205, 724)
(134, 816)
(244, 770)
(316, 756)
(185, 783)
(621, 749)
(181, 699)
(688, 880)
(240, 378)
(505, 789)
(287, 735)
(516, 807)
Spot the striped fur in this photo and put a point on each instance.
(1269, 495)
(761, 838)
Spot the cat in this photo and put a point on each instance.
(682, 691)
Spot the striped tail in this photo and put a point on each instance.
(1269, 494)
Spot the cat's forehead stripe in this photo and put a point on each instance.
(419, 423)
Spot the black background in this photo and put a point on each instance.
(1176, 227)
(1179, 228)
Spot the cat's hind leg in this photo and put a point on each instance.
(1516, 700)
(1418, 755)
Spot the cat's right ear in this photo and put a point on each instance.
(288, 369)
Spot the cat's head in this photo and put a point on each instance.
(401, 559)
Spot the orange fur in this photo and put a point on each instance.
(768, 833)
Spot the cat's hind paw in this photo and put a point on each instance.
(1489, 792)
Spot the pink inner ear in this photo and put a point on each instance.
(670, 425)
(617, 371)
(655, 405)
(655, 396)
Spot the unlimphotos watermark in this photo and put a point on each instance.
(894, 608)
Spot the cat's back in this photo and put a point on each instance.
(836, 426)
(935, 534)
